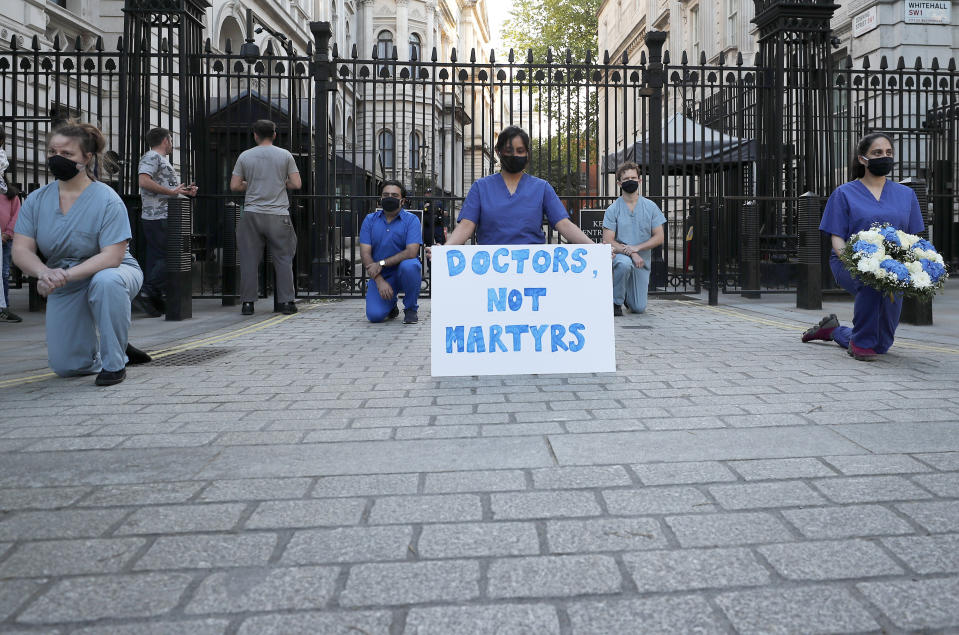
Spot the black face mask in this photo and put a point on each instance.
(630, 186)
(513, 164)
(389, 203)
(880, 166)
(62, 168)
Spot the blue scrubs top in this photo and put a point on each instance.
(852, 208)
(634, 226)
(512, 219)
(389, 239)
(97, 219)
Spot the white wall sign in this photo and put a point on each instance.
(521, 309)
(865, 21)
(929, 11)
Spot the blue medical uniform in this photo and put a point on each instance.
(852, 208)
(632, 226)
(77, 311)
(512, 219)
(388, 239)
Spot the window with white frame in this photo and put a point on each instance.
(385, 144)
(384, 48)
(695, 35)
(414, 151)
(732, 22)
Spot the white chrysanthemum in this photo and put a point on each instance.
(871, 265)
(913, 267)
(906, 240)
(921, 279)
(870, 236)
(928, 255)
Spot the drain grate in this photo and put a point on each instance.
(192, 357)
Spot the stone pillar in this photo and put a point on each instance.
(429, 41)
(365, 38)
(402, 41)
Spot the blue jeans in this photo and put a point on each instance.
(405, 277)
(154, 267)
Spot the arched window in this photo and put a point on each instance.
(416, 53)
(384, 49)
(385, 143)
(414, 151)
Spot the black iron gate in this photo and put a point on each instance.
(748, 141)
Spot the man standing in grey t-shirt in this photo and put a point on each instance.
(265, 173)
(158, 184)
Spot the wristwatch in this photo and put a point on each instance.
(382, 263)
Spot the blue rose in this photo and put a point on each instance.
(896, 268)
(864, 247)
(935, 270)
(924, 245)
(889, 233)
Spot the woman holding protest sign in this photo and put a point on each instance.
(508, 208)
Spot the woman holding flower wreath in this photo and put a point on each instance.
(870, 198)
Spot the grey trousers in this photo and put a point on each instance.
(255, 230)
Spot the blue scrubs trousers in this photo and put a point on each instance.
(874, 317)
(406, 278)
(75, 313)
(630, 283)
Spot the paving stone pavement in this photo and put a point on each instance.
(315, 479)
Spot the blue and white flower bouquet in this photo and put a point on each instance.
(892, 261)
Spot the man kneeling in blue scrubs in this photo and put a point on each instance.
(390, 247)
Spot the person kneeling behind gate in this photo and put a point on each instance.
(390, 247)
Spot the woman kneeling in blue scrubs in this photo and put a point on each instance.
(81, 227)
(854, 207)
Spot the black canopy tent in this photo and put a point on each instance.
(688, 147)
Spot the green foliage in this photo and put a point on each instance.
(557, 24)
(557, 160)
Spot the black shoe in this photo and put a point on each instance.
(159, 303)
(288, 308)
(395, 311)
(410, 317)
(247, 308)
(144, 304)
(136, 356)
(617, 310)
(111, 377)
(6, 315)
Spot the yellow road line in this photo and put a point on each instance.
(165, 352)
(901, 342)
(25, 380)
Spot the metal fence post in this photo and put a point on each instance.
(915, 311)
(654, 78)
(323, 76)
(944, 233)
(809, 288)
(750, 250)
(179, 259)
(230, 264)
(710, 209)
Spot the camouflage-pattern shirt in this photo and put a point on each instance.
(158, 168)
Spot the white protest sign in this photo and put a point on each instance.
(521, 309)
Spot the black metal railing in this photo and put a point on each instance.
(741, 142)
